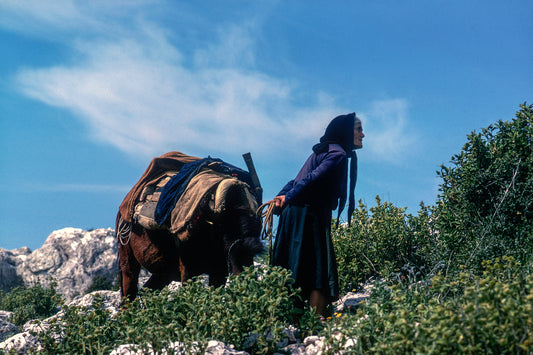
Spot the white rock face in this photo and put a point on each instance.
(10, 261)
(71, 257)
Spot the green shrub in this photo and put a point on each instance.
(381, 241)
(250, 312)
(491, 313)
(29, 303)
(485, 208)
(101, 283)
(81, 330)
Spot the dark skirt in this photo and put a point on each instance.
(304, 246)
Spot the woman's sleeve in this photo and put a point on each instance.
(286, 188)
(330, 163)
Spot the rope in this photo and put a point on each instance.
(268, 217)
(124, 232)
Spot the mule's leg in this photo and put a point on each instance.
(130, 269)
(156, 252)
(217, 263)
(184, 271)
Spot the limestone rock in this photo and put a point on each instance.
(10, 260)
(21, 343)
(71, 257)
(7, 329)
(352, 299)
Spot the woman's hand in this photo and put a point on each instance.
(280, 201)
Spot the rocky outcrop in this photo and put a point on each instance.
(10, 261)
(7, 329)
(70, 257)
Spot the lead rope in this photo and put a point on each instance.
(268, 217)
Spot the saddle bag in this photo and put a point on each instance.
(145, 209)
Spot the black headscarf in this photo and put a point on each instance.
(340, 131)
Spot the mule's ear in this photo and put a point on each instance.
(231, 193)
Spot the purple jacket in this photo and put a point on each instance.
(320, 180)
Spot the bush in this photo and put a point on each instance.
(485, 209)
(381, 241)
(250, 312)
(29, 303)
(472, 314)
(101, 283)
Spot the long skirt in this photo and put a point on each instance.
(303, 245)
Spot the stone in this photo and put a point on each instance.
(10, 260)
(21, 343)
(7, 329)
(70, 257)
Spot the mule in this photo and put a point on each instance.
(223, 243)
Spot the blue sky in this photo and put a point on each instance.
(90, 91)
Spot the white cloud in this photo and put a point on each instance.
(138, 95)
(147, 105)
(144, 95)
(388, 135)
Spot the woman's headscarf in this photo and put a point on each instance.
(340, 131)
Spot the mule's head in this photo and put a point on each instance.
(242, 239)
(239, 224)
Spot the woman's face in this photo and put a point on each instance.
(358, 135)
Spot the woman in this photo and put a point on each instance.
(303, 242)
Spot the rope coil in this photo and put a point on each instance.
(124, 232)
(268, 217)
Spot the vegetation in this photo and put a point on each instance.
(470, 314)
(485, 210)
(251, 312)
(27, 303)
(456, 278)
(101, 283)
(381, 240)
